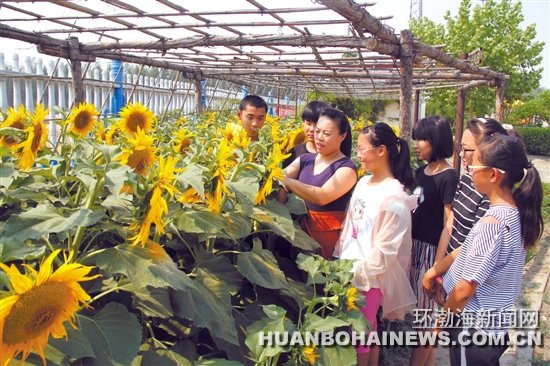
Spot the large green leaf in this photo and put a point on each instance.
(245, 188)
(295, 205)
(260, 267)
(190, 299)
(153, 357)
(219, 268)
(217, 362)
(115, 178)
(87, 177)
(14, 250)
(77, 345)
(173, 356)
(192, 176)
(120, 203)
(210, 225)
(114, 335)
(303, 240)
(237, 226)
(312, 266)
(276, 216)
(273, 323)
(315, 323)
(337, 356)
(23, 193)
(44, 219)
(200, 222)
(8, 174)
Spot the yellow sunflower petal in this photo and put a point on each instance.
(136, 116)
(39, 306)
(82, 119)
(16, 119)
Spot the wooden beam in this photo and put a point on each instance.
(473, 84)
(499, 107)
(361, 19)
(76, 71)
(449, 60)
(459, 127)
(248, 40)
(406, 83)
(416, 107)
(198, 94)
(30, 37)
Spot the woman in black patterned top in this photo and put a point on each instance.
(468, 205)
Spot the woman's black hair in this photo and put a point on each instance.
(399, 155)
(507, 153)
(338, 117)
(437, 131)
(481, 127)
(313, 110)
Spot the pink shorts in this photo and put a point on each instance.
(373, 299)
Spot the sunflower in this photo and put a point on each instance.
(36, 138)
(100, 133)
(224, 163)
(141, 154)
(157, 204)
(351, 298)
(82, 119)
(190, 196)
(236, 134)
(38, 305)
(135, 116)
(111, 135)
(275, 172)
(16, 119)
(292, 138)
(182, 141)
(310, 354)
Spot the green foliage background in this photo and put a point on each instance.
(496, 28)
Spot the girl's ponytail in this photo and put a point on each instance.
(401, 167)
(528, 196)
(508, 154)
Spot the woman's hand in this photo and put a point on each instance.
(428, 282)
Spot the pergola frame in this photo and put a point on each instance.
(371, 60)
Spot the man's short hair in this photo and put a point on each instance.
(254, 101)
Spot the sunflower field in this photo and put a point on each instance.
(128, 241)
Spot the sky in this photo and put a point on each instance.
(535, 11)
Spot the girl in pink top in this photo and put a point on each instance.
(377, 229)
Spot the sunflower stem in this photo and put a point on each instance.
(91, 254)
(89, 204)
(210, 245)
(52, 249)
(175, 230)
(78, 194)
(106, 292)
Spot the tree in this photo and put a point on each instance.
(507, 47)
(533, 111)
(354, 108)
